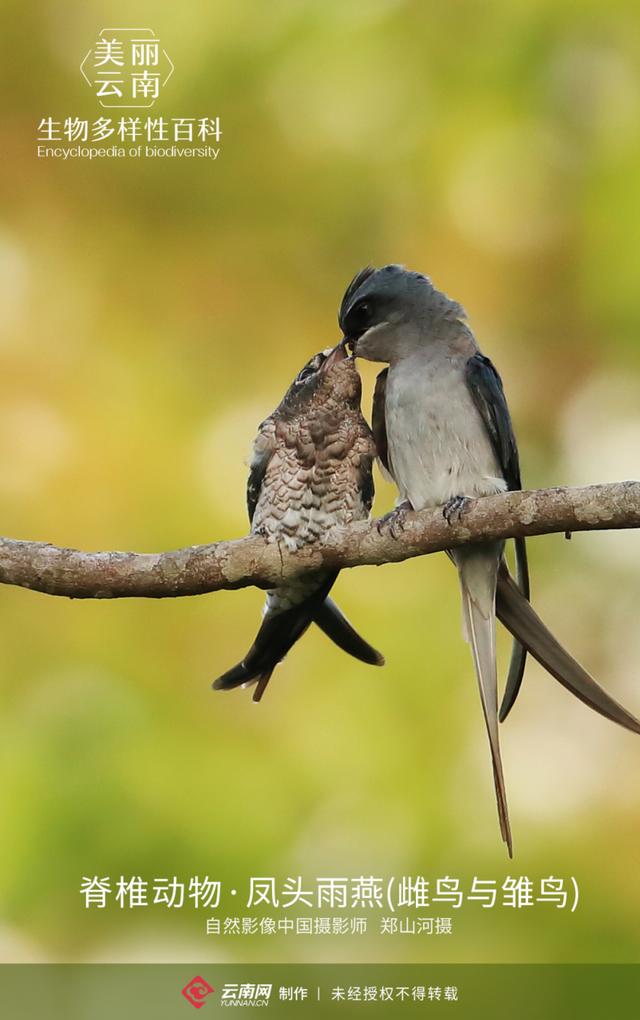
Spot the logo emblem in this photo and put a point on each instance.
(196, 991)
(127, 67)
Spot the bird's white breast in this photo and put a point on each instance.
(437, 441)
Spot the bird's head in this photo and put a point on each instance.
(329, 376)
(387, 313)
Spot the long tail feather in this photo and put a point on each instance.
(261, 686)
(518, 652)
(523, 622)
(336, 626)
(477, 571)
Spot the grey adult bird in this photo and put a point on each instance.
(444, 434)
(312, 469)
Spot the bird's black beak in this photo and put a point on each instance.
(349, 344)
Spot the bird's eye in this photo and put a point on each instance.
(310, 369)
(362, 311)
(361, 316)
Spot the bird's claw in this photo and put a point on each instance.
(394, 520)
(453, 510)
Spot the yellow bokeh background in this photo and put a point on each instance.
(152, 312)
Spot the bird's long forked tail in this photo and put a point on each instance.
(518, 616)
(335, 625)
(277, 635)
(518, 652)
(477, 574)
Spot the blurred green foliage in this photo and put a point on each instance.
(152, 312)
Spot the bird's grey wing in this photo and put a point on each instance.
(486, 389)
(263, 448)
(520, 618)
(367, 453)
(485, 386)
(379, 423)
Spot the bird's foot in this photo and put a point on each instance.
(395, 519)
(455, 508)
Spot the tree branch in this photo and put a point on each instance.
(253, 561)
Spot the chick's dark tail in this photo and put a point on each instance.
(517, 615)
(336, 626)
(278, 633)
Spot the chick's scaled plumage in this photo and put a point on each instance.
(311, 470)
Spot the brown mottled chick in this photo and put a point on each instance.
(311, 470)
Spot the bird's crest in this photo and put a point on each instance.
(353, 288)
